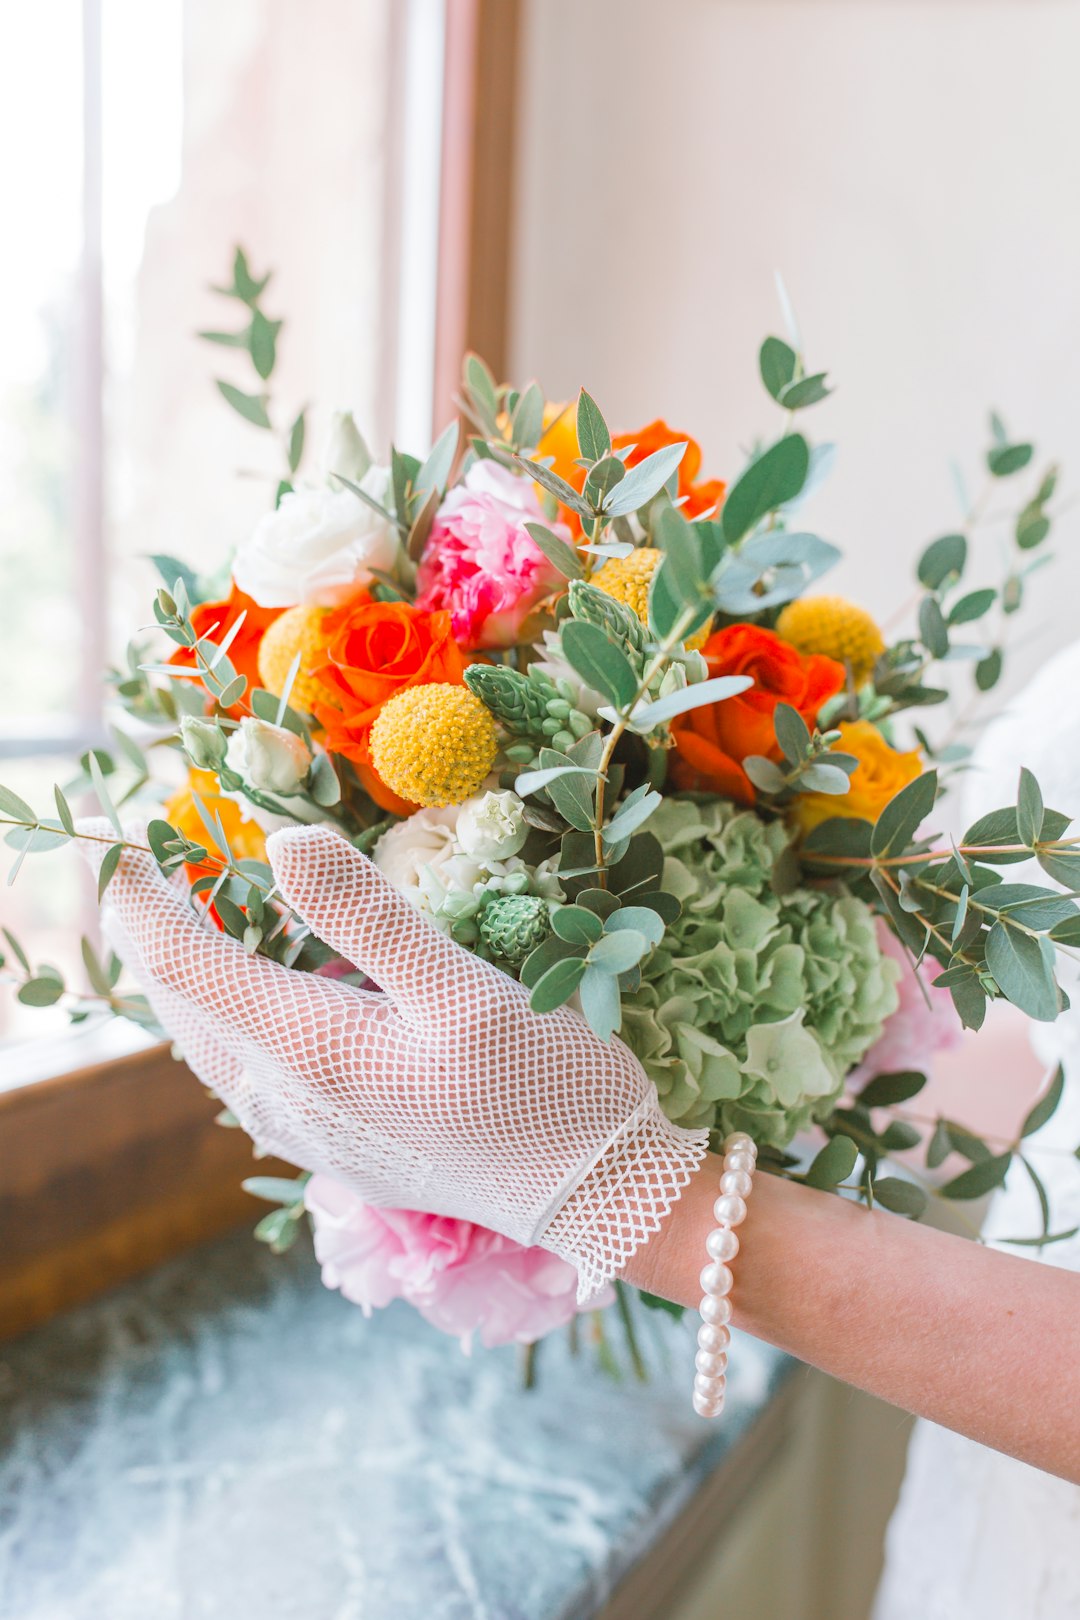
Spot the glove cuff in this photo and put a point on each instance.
(627, 1191)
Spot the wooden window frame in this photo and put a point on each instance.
(111, 1169)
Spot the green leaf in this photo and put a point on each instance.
(599, 662)
(600, 1002)
(942, 559)
(653, 1302)
(564, 557)
(1004, 460)
(939, 1147)
(804, 391)
(557, 985)
(903, 815)
(1023, 967)
(1029, 809)
(41, 992)
(969, 998)
(1062, 865)
(16, 950)
(833, 1164)
(108, 868)
(296, 441)
(777, 361)
(228, 340)
(902, 1197)
(577, 924)
(644, 481)
(971, 607)
(822, 777)
(562, 491)
(682, 563)
(322, 782)
(102, 791)
(533, 781)
(18, 809)
(792, 733)
(1032, 527)
(885, 1090)
(262, 343)
(594, 440)
(765, 774)
(932, 627)
(602, 901)
(980, 1179)
(276, 1189)
(252, 407)
(434, 472)
(643, 919)
(1046, 1106)
(630, 816)
(1040, 1242)
(988, 670)
(545, 956)
(771, 481)
(619, 952)
(650, 715)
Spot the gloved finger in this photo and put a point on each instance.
(353, 908)
(301, 1021)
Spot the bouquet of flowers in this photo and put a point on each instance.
(588, 710)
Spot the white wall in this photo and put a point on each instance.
(913, 169)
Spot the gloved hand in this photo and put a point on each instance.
(443, 1093)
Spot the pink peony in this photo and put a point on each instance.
(462, 1278)
(480, 562)
(924, 1023)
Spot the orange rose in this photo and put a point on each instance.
(560, 440)
(374, 649)
(696, 498)
(711, 742)
(214, 620)
(882, 771)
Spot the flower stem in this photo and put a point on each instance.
(637, 1361)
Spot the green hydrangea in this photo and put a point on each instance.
(755, 1005)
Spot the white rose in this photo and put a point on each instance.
(492, 827)
(317, 546)
(268, 758)
(405, 851)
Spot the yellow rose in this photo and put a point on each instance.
(881, 773)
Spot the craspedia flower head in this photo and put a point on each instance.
(434, 745)
(834, 627)
(298, 630)
(627, 579)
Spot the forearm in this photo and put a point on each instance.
(982, 1342)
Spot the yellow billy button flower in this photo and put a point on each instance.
(434, 745)
(299, 630)
(627, 579)
(834, 627)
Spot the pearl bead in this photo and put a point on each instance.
(715, 1312)
(713, 1339)
(716, 1279)
(722, 1244)
(707, 1408)
(709, 1387)
(738, 1183)
(739, 1142)
(740, 1161)
(729, 1209)
(711, 1363)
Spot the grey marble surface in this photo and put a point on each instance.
(228, 1439)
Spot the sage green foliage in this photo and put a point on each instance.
(529, 706)
(512, 925)
(754, 1005)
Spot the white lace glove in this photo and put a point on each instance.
(445, 1093)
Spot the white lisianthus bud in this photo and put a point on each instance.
(204, 742)
(268, 758)
(345, 452)
(492, 827)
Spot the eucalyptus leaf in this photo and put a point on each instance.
(777, 361)
(644, 481)
(599, 662)
(563, 556)
(252, 407)
(647, 716)
(594, 439)
(980, 1179)
(942, 560)
(618, 952)
(833, 1164)
(557, 985)
(1029, 809)
(804, 391)
(577, 924)
(600, 1002)
(775, 477)
(886, 1090)
(1023, 967)
(902, 1197)
(903, 815)
(1046, 1106)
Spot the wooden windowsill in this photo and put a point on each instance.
(109, 1170)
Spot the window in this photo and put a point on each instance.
(155, 138)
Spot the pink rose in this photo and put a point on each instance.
(481, 564)
(924, 1023)
(462, 1278)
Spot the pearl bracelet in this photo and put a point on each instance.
(722, 1243)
